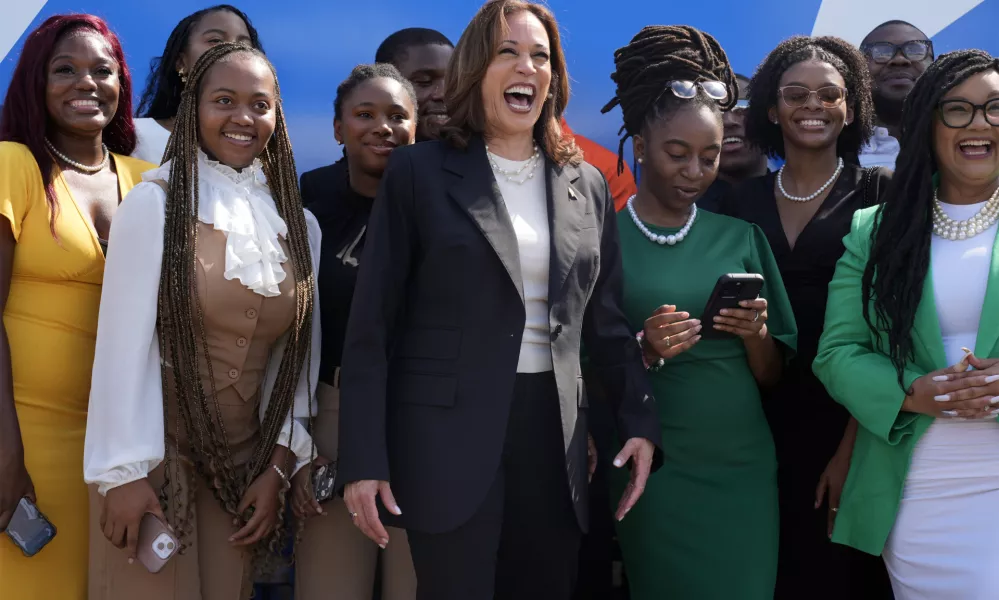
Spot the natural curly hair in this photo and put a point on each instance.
(763, 91)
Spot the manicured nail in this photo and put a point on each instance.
(949, 413)
(131, 561)
(696, 329)
(398, 510)
(724, 311)
(232, 539)
(943, 398)
(994, 400)
(992, 379)
(382, 546)
(941, 378)
(718, 319)
(618, 462)
(684, 315)
(696, 321)
(697, 338)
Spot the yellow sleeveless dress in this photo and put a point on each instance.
(51, 322)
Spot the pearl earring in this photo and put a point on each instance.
(550, 95)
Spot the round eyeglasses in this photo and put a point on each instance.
(884, 52)
(795, 96)
(958, 114)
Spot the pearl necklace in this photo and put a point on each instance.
(829, 182)
(511, 175)
(673, 239)
(77, 165)
(949, 229)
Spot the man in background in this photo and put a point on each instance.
(421, 55)
(622, 186)
(897, 54)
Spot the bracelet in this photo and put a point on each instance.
(654, 367)
(280, 472)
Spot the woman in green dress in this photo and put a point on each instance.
(708, 523)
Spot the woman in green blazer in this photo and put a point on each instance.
(916, 289)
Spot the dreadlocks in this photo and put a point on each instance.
(844, 57)
(181, 327)
(657, 55)
(900, 243)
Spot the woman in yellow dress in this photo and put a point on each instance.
(65, 138)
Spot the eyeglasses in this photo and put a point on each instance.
(830, 96)
(883, 52)
(687, 89)
(958, 114)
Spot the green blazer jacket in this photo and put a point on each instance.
(864, 381)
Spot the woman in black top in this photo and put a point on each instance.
(375, 112)
(810, 103)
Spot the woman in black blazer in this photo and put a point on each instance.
(492, 255)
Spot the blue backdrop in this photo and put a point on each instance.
(315, 43)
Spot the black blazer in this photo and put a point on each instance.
(436, 324)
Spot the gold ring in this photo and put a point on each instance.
(353, 516)
(668, 344)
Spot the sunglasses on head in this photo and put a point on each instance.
(686, 89)
(795, 96)
(883, 52)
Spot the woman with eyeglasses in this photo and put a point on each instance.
(911, 344)
(707, 526)
(810, 104)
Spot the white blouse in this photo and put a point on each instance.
(150, 140)
(125, 429)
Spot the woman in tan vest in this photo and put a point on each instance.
(207, 345)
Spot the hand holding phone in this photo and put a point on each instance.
(737, 294)
(157, 544)
(29, 529)
(124, 509)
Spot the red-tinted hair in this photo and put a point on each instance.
(25, 118)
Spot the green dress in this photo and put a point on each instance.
(706, 527)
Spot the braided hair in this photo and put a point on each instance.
(763, 89)
(900, 243)
(180, 320)
(654, 57)
(161, 98)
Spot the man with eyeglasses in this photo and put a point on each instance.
(897, 54)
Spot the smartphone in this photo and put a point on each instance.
(157, 544)
(324, 482)
(730, 289)
(29, 529)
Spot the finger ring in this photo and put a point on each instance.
(757, 316)
(668, 344)
(834, 509)
(353, 516)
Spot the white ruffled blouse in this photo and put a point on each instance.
(125, 429)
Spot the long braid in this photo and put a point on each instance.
(656, 55)
(844, 57)
(183, 339)
(900, 243)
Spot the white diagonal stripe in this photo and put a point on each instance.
(852, 20)
(17, 16)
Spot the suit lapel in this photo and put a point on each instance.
(566, 207)
(477, 193)
(988, 325)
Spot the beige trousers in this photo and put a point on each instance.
(334, 560)
(210, 569)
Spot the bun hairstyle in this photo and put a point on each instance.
(657, 55)
(900, 244)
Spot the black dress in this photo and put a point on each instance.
(807, 424)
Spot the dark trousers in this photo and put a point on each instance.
(523, 542)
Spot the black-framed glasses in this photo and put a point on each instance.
(686, 89)
(795, 96)
(883, 52)
(958, 114)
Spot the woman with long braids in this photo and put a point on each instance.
(810, 104)
(374, 113)
(168, 72)
(707, 527)
(66, 132)
(910, 344)
(207, 344)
